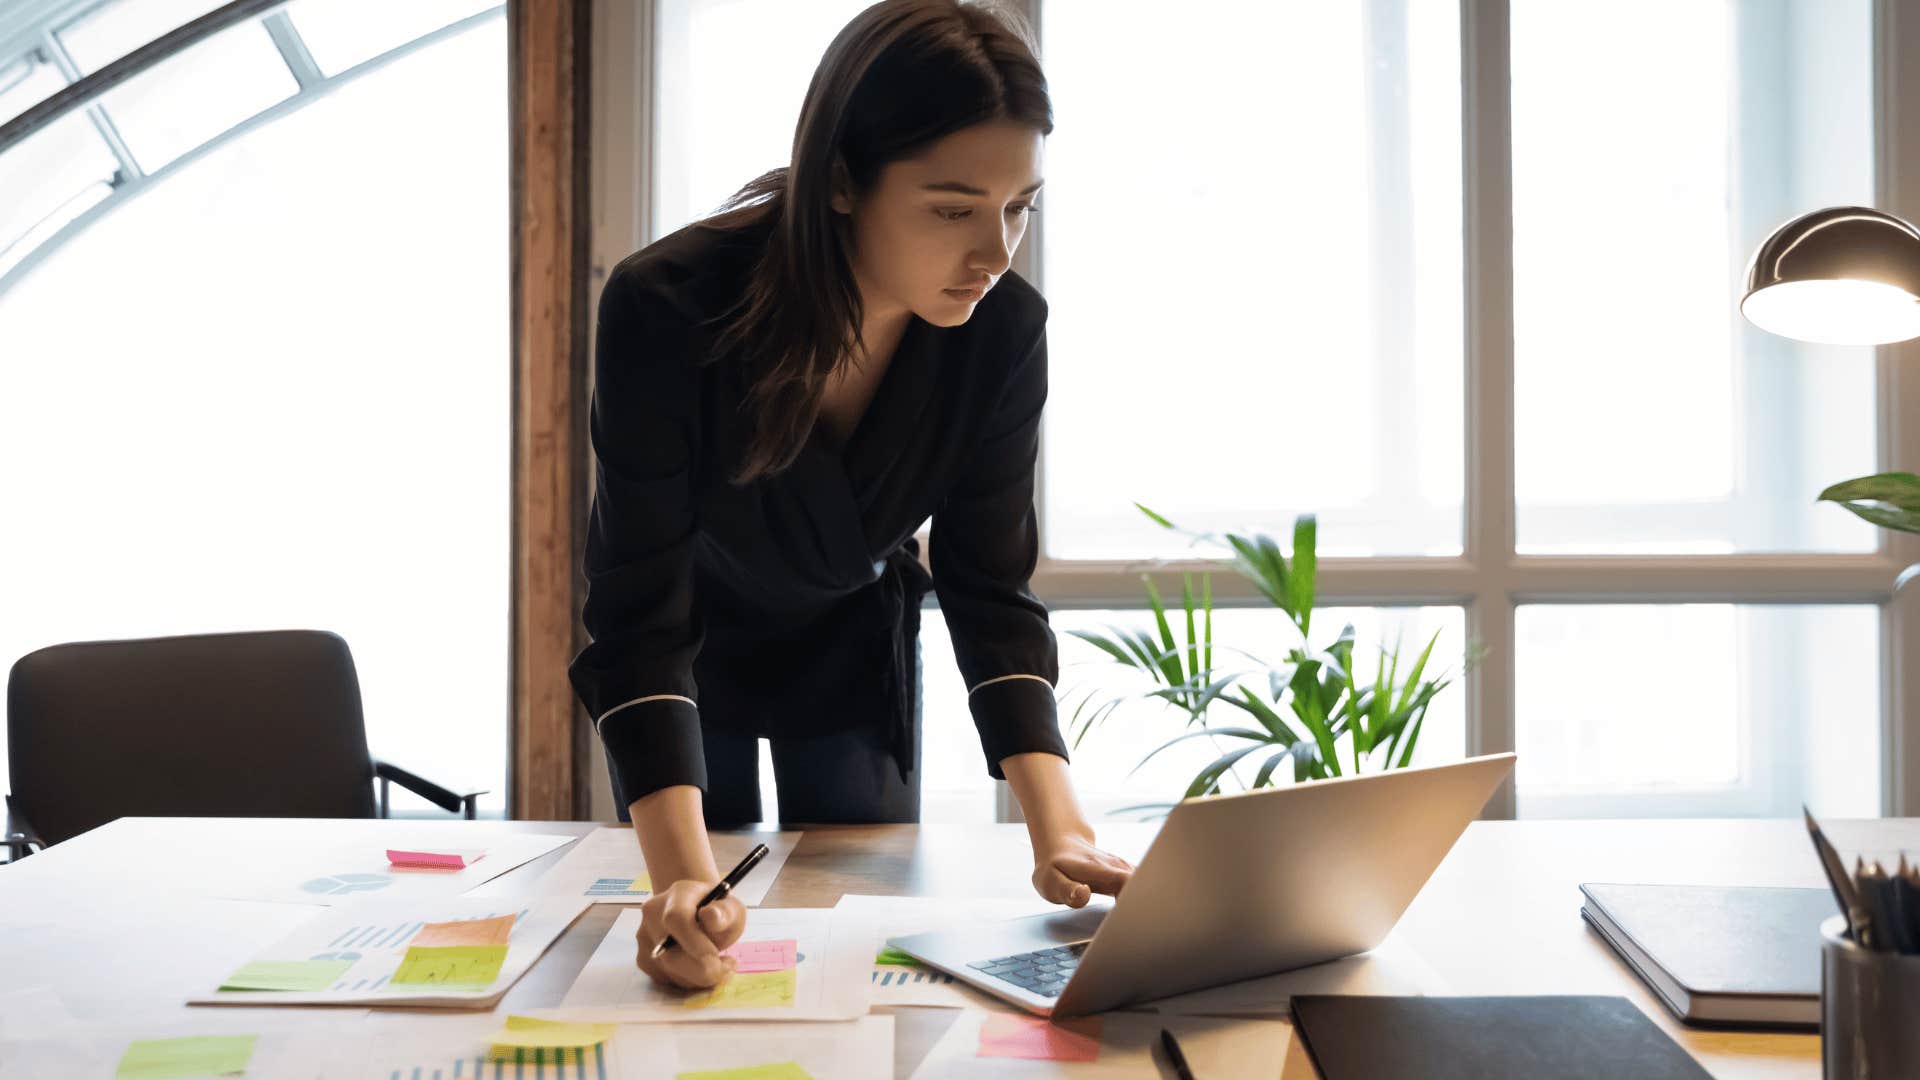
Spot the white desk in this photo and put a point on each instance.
(1501, 916)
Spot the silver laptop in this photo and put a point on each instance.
(1232, 887)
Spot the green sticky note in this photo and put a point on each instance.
(781, 1070)
(450, 967)
(177, 1059)
(891, 955)
(287, 975)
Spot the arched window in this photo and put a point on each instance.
(254, 344)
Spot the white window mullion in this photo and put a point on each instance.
(1897, 181)
(1487, 160)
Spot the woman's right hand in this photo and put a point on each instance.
(699, 935)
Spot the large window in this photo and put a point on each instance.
(1462, 279)
(254, 359)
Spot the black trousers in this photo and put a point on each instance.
(846, 778)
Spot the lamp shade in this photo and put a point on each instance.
(1846, 275)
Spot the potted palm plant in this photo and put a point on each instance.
(1311, 715)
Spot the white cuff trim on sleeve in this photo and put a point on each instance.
(639, 700)
(1004, 678)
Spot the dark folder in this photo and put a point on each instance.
(1725, 956)
(1356, 1037)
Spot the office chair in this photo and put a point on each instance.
(255, 724)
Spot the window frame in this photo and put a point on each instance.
(1490, 578)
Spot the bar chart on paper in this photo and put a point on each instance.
(589, 1063)
(463, 950)
(891, 973)
(356, 941)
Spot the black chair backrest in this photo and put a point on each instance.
(259, 724)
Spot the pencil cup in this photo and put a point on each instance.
(1868, 1004)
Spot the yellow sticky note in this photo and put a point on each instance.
(890, 955)
(465, 932)
(452, 967)
(531, 1031)
(780, 1070)
(751, 991)
(641, 883)
(175, 1059)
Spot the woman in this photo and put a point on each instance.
(784, 392)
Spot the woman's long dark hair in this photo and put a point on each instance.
(900, 75)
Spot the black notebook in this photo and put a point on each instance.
(1717, 955)
(1356, 1037)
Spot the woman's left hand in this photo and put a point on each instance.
(1068, 869)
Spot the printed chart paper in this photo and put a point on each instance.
(179, 1051)
(1003, 1046)
(368, 953)
(896, 978)
(341, 873)
(467, 1046)
(1389, 969)
(853, 1049)
(827, 981)
(605, 867)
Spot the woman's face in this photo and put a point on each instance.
(948, 219)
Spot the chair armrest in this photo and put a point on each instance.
(16, 835)
(451, 799)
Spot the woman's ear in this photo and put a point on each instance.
(842, 198)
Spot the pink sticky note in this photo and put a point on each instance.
(1007, 1035)
(755, 956)
(435, 860)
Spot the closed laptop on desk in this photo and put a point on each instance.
(1719, 955)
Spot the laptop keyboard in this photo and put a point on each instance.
(1043, 971)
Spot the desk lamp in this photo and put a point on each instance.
(1846, 275)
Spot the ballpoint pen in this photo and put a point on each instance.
(1179, 1059)
(718, 892)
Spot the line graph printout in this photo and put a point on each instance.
(368, 953)
(827, 979)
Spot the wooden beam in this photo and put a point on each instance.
(546, 53)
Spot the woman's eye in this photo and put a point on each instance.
(956, 215)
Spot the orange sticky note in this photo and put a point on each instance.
(465, 932)
(428, 860)
(752, 956)
(1035, 1038)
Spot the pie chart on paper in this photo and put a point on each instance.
(339, 884)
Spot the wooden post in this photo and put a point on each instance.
(546, 60)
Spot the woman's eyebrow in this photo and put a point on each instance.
(969, 189)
